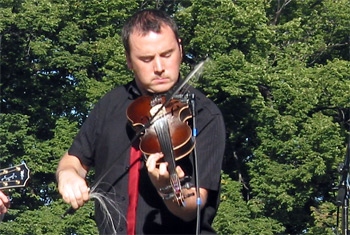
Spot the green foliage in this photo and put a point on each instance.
(324, 219)
(235, 216)
(279, 71)
(14, 136)
(49, 220)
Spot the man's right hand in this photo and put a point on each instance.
(71, 181)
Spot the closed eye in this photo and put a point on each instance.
(147, 59)
(167, 54)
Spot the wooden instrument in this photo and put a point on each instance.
(168, 133)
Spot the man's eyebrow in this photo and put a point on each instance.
(167, 51)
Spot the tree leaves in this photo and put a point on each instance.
(279, 71)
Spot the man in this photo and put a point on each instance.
(154, 53)
(4, 204)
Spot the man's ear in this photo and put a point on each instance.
(180, 46)
(128, 61)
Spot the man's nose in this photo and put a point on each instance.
(158, 65)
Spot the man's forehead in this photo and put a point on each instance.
(140, 41)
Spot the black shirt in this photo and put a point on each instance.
(104, 141)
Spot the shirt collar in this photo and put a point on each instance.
(133, 90)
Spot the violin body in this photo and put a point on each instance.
(143, 109)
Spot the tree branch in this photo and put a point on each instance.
(279, 10)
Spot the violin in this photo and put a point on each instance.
(168, 132)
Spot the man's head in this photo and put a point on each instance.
(145, 21)
(153, 50)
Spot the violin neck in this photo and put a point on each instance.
(161, 127)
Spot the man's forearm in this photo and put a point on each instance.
(70, 162)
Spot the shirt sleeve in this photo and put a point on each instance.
(83, 145)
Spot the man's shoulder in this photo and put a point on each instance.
(118, 94)
(114, 99)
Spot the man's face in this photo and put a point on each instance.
(155, 59)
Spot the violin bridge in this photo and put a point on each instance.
(155, 111)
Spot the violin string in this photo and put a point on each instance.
(161, 127)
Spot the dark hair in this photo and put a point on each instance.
(145, 21)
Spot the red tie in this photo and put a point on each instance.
(134, 175)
